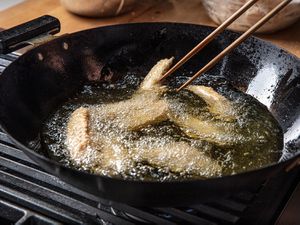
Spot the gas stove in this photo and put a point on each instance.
(29, 195)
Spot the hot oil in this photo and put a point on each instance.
(259, 151)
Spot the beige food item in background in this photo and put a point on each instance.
(219, 11)
(98, 8)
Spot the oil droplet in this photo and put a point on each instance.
(65, 45)
(40, 56)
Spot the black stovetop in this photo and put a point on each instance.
(29, 195)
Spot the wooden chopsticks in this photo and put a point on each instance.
(210, 37)
(232, 46)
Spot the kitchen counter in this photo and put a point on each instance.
(187, 11)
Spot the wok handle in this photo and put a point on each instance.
(19, 36)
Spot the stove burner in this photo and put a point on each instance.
(129, 216)
(102, 221)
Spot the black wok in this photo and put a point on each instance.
(39, 81)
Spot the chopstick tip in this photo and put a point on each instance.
(180, 88)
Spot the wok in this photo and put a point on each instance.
(39, 81)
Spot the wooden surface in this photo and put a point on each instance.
(187, 11)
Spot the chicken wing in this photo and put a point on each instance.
(90, 150)
(143, 109)
(179, 157)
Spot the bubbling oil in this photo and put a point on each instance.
(263, 148)
(54, 129)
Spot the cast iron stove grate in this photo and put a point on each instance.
(29, 195)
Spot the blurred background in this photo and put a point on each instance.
(75, 15)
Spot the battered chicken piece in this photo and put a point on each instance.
(143, 109)
(77, 134)
(217, 104)
(221, 134)
(222, 126)
(152, 80)
(90, 150)
(178, 157)
(216, 124)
